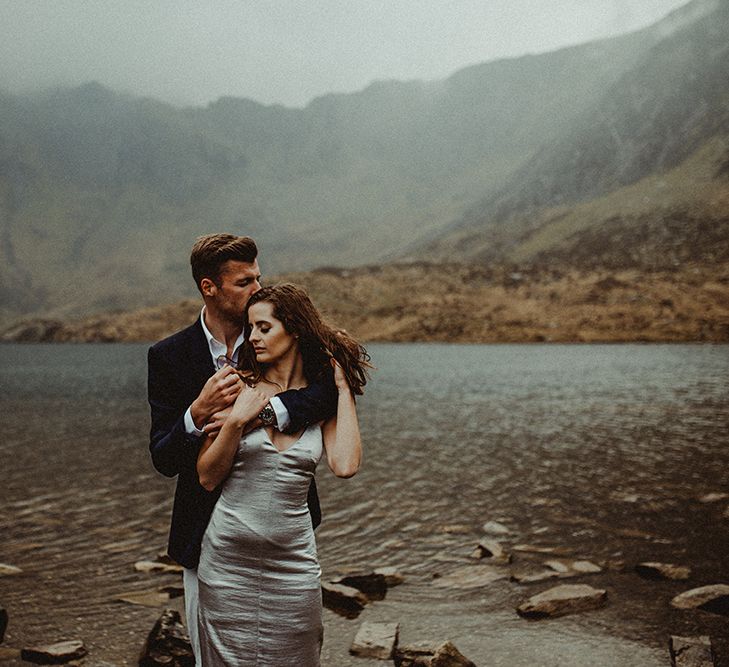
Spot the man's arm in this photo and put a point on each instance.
(171, 447)
(314, 403)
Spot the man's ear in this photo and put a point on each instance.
(208, 287)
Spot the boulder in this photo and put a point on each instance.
(392, 576)
(651, 570)
(562, 600)
(426, 655)
(491, 549)
(343, 600)
(167, 645)
(54, 654)
(376, 640)
(155, 566)
(373, 585)
(533, 577)
(691, 652)
(714, 598)
(173, 590)
(9, 570)
(495, 528)
(3, 622)
(470, 576)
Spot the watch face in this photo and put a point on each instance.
(267, 415)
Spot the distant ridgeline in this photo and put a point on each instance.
(610, 156)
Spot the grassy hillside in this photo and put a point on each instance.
(467, 303)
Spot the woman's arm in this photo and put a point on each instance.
(341, 436)
(217, 454)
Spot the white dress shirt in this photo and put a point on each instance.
(218, 349)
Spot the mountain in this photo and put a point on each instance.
(102, 194)
(640, 178)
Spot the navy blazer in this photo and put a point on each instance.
(178, 368)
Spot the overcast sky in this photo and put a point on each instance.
(286, 51)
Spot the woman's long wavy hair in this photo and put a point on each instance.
(318, 342)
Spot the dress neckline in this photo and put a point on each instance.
(267, 439)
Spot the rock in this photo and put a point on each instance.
(54, 654)
(173, 590)
(9, 654)
(376, 640)
(155, 566)
(713, 497)
(167, 644)
(691, 652)
(9, 570)
(455, 529)
(444, 655)
(558, 569)
(3, 622)
(492, 550)
(650, 570)
(343, 600)
(164, 557)
(144, 598)
(714, 598)
(495, 528)
(562, 600)
(532, 549)
(470, 576)
(374, 586)
(533, 577)
(392, 576)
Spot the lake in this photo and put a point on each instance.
(602, 450)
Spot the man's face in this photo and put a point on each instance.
(238, 281)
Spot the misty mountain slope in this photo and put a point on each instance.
(102, 194)
(673, 101)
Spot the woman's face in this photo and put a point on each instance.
(269, 338)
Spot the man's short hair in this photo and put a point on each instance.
(210, 252)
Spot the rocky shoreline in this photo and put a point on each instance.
(463, 304)
(167, 644)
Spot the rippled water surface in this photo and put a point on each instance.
(604, 451)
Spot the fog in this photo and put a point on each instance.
(286, 52)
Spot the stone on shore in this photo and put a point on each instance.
(495, 528)
(563, 600)
(376, 640)
(426, 655)
(392, 576)
(167, 645)
(491, 549)
(9, 570)
(713, 497)
(691, 652)
(157, 567)
(714, 598)
(144, 598)
(343, 600)
(173, 590)
(54, 654)
(534, 549)
(9, 653)
(651, 570)
(3, 622)
(558, 569)
(470, 576)
(373, 585)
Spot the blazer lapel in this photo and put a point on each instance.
(201, 363)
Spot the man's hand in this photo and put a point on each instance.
(218, 393)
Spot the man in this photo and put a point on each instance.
(191, 383)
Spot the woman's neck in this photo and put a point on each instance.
(287, 372)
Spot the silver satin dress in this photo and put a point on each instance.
(259, 575)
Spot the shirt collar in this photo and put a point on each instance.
(214, 345)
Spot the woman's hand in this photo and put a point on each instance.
(249, 403)
(340, 379)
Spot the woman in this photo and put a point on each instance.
(259, 577)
